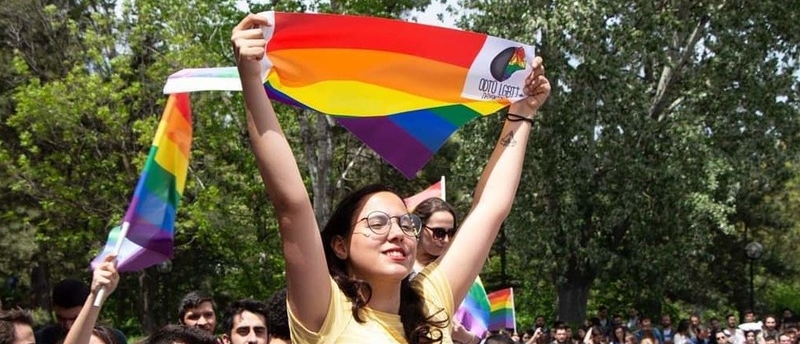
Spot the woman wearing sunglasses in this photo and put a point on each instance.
(438, 228)
(349, 283)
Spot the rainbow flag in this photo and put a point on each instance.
(402, 88)
(502, 314)
(474, 311)
(145, 236)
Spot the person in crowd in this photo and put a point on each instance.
(751, 337)
(180, 334)
(499, 338)
(245, 322)
(633, 319)
(68, 297)
(84, 329)
(646, 329)
(560, 336)
(770, 328)
(784, 338)
(734, 333)
(748, 316)
(349, 282)
(595, 335)
(277, 320)
(439, 225)
(605, 322)
(787, 319)
(682, 335)
(197, 309)
(714, 325)
(666, 328)
(721, 338)
(16, 327)
(694, 323)
(702, 336)
(618, 335)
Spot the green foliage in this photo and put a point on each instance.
(667, 130)
(669, 142)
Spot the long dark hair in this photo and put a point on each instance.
(417, 327)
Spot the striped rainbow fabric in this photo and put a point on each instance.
(502, 314)
(402, 88)
(474, 311)
(151, 214)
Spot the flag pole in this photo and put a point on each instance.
(444, 192)
(98, 301)
(513, 310)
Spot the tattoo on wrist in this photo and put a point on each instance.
(508, 140)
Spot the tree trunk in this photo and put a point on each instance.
(146, 304)
(40, 288)
(573, 296)
(317, 139)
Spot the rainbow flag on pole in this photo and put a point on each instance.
(145, 236)
(502, 314)
(474, 311)
(402, 88)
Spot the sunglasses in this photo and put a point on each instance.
(440, 233)
(722, 337)
(379, 223)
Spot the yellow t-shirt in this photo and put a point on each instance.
(340, 327)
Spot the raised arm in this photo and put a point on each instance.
(495, 191)
(104, 276)
(307, 277)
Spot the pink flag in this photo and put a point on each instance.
(435, 190)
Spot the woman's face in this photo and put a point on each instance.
(618, 332)
(751, 337)
(374, 257)
(432, 241)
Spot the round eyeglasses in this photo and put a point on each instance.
(379, 223)
(439, 233)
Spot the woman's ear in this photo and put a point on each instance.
(339, 247)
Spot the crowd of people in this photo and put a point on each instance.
(636, 329)
(244, 321)
(376, 272)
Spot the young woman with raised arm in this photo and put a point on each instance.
(349, 283)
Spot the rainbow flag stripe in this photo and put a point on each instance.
(402, 88)
(151, 213)
(502, 314)
(474, 311)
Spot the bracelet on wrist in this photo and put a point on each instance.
(516, 118)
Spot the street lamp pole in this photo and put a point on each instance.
(754, 250)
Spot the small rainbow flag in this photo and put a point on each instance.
(502, 314)
(145, 236)
(474, 311)
(402, 88)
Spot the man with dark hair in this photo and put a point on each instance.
(180, 334)
(245, 322)
(278, 320)
(67, 299)
(197, 310)
(16, 327)
(560, 335)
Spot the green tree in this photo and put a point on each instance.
(669, 125)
